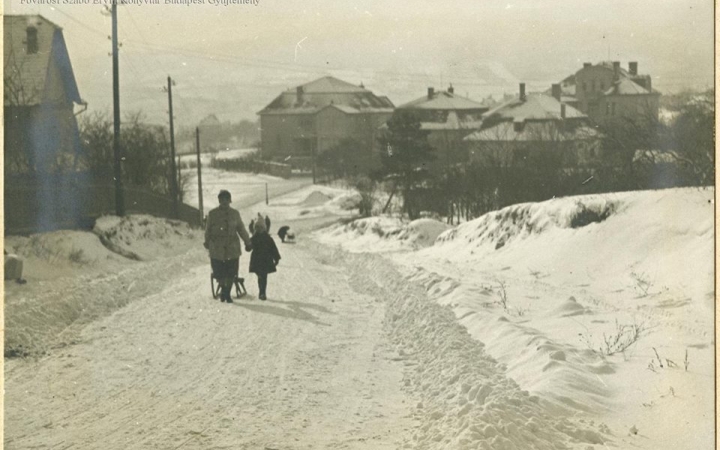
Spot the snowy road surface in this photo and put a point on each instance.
(310, 368)
(362, 350)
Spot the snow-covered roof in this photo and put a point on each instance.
(625, 86)
(444, 101)
(536, 106)
(533, 131)
(316, 95)
(330, 84)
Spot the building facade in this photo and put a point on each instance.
(40, 94)
(535, 124)
(448, 118)
(317, 116)
(606, 92)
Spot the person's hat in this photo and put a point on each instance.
(224, 194)
(260, 224)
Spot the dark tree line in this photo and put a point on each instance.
(145, 152)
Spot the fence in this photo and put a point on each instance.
(36, 204)
(253, 165)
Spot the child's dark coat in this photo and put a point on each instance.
(265, 255)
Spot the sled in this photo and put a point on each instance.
(238, 283)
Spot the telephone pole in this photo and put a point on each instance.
(117, 168)
(200, 194)
(173, 184)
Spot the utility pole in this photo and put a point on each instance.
(173, 184)
(117, 168)
(200, 194)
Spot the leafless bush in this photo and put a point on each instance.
(622, 338)
(642, 284)
(503, 298)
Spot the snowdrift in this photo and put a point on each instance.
(383, 234)
(600, 306)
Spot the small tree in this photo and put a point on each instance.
(405, 156)
(693, 139)
(367, 188)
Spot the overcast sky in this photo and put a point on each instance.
(233, 60)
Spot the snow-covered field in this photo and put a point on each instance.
(580, 323)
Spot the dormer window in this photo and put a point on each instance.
(31, 40)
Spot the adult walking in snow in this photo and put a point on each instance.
(223, 231)
(265, 256)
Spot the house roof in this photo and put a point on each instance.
(444, 100)
(28, 72)
(625, 86)
(532, 131)
(454, 121)
(324, 92)
(536, 106)
(330, 84)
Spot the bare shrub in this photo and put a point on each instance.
(622, 338)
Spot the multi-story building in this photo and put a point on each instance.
(606, 92)
(448, 118)
(318, 115)
(534, 123)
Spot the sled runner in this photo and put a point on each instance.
(239, 284)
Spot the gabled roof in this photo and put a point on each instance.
(625, 86)
(330, 84)
(609, 66)
(538, 106)
(444, 100)
(28, 73)
(324, 92)
(532, 131)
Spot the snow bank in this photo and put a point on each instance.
(582, 300)
(465, 398)
(144, 237)
(383, 234)
(74, 277)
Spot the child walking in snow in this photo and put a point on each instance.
(265, 256)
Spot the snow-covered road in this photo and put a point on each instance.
(376, 335)
(309, 368)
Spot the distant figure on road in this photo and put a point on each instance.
(285, 233)
(259, 217)
(265, 256)
(223, 232)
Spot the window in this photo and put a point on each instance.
(584, 86)
(593, 85)
(32, 40)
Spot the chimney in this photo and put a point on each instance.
(522, 92)
(556, 91)
(300, 95)
(633, 68)
(648, 84)
(431, 93)
(451, 89)
(616, 70)
(562, 111)
(587, 65)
